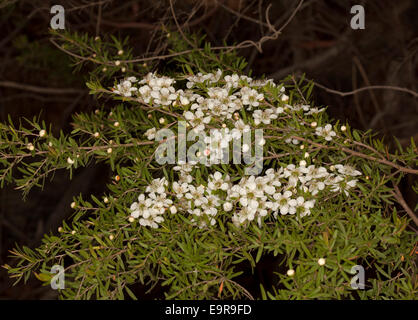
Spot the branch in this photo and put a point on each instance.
(28, 87)
(398, 196)
(348, 93)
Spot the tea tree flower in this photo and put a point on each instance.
(125, 89)
(197, 119)
(325, 132)
(150, 133)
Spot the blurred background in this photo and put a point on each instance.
(37, 79)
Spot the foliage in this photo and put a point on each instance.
(105, 253)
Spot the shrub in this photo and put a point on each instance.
(322, 198)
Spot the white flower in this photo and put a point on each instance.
(325, 132)
(264, 116)
(227, 206)
(283, 200)
(145, 92)
(157, 185)
(180, 189)
(313, 172)
(197, 119)
(216, 182)
(246, 213)
(347, 170)
(150, 133)
(251, 97)
(164, 96)
(125, 88)
(151, 221)
(301, 206)
(315, 186)
(184, 167)
(294, 173)
(196, 194)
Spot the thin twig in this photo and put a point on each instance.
(398, 196)
(32, 88)
(383, 87)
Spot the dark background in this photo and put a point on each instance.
(318, 41)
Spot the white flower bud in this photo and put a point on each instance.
(161, 121)
(173, 209)
(321, 261)
(30, 147)
(116, 124)
(42, 133)
(73, 232)
(117, 62)
(290, 272)
(109, 150)
(227, 206)
(343, 128)
(96, 134)
(120, 52)
(131, 219)
(111, 237)
(72, 205)
(70, 161)
(314, 124)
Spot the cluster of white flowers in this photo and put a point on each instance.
(151, 207)
(225, 96)
(212, 99)
(288, 190)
